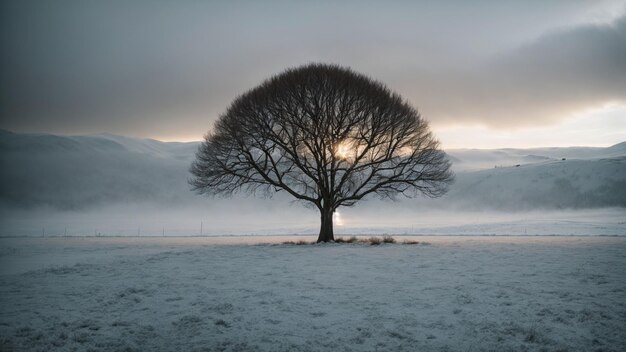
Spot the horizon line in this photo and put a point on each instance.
(182, 140)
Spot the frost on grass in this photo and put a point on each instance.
(494, 294)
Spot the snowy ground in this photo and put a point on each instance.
(455, 294)
(264, 217)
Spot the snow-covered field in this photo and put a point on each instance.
(455, 294)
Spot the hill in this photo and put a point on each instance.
(79, 172)
(83, 172)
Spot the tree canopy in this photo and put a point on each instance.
(326, 135)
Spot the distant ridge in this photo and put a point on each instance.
(621, 147)
(81, 172)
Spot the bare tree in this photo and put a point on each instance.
(326, 135)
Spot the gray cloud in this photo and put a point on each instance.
(537, 83)
(168, 69)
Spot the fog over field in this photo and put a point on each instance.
(113, 185)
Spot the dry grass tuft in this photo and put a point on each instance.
(374, 241)
(298, 243)
(388, 239)
(410, 242)
(352, 239)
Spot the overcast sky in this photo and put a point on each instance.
(485, 74)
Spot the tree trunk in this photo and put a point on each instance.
(326, 228)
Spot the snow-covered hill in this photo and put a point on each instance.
(476, 159)
(571, 183)
(78, 172)
(82, 172)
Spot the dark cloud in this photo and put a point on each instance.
(162, 69)
(537, 83)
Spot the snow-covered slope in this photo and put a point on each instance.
(571, 183)
(82, 172)
(79, 172)
(477, 159)
(152, 147)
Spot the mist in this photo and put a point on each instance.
(112, 185)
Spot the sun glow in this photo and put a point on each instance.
(342, 150)
(337, 218)
(599, 127)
